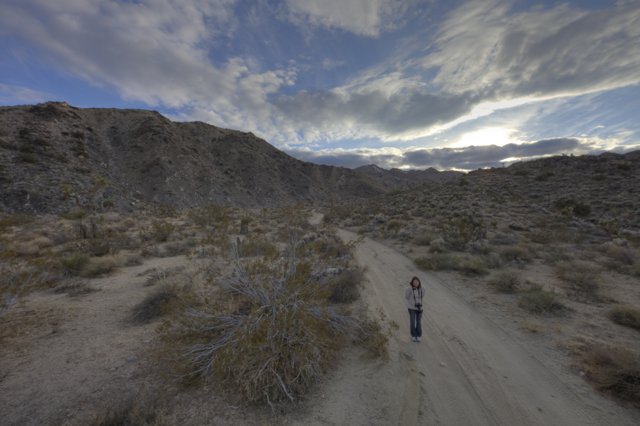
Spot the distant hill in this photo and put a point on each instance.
(55, 157)
(406, 179)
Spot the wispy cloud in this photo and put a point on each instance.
(11, 94)
(361, 17)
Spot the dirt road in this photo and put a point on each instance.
(466, 371)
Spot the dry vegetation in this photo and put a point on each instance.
(260, 309)
(553, 245)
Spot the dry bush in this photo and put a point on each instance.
(582, 278)
(97, 266)
(446, 262)
(540, 301)
(345, 286)
(437, 262)
(613, 369)
(211, 216)
(472, 266)
(461, 230)
(13, 220)
(423, 239)
(74, 288)
(626, 315)
(159, 231)
(517, 255)
(156, 304)
(134, 411)
(19, 279)
(257, 246)
(268, 334)
(505, 282)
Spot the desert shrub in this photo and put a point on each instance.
(613, 369)
(97, 266)
(458, 231)
(505, 282)
(423, 239)
(326, 248)
(344, 287)
(244, 225)
(74, 214)
(18, 279)
(471, 266)
(621, 257)
(159, 231)
(540, 301)
(268, 335)
(582, 278)
(257, 246)
(134, 411)
(9, 220)
(155, 305)
(572, 207)
(99, 247)
(437, 262)
(74, 288)
(75, 262)
(516, 255)
(626, 315)
(393, 226)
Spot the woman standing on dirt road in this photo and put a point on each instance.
(413, 300)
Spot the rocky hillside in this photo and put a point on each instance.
(55, 157)
(590, 193)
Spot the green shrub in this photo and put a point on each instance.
(539, 301)
(459, 231)
(75, 262)
(626, 315)
(74, 214)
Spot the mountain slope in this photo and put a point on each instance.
(54, 157)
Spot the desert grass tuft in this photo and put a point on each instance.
(505, 282)
(541, 302)
(613, 369)
(626, 315)
(582, 278)
(155, 305)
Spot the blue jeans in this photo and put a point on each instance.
(415, 328)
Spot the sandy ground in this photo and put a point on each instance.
(466, 371)
(73, 356)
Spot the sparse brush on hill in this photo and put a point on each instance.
(269, 333)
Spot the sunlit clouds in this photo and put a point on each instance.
(403, 84)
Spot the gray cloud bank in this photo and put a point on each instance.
(159, 52)
(467, 158)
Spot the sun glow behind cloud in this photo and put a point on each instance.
(498, 136)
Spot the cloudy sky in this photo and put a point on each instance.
(398, 83)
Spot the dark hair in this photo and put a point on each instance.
(415, 278)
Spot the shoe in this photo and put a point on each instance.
(417, 339)
(414, 339)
